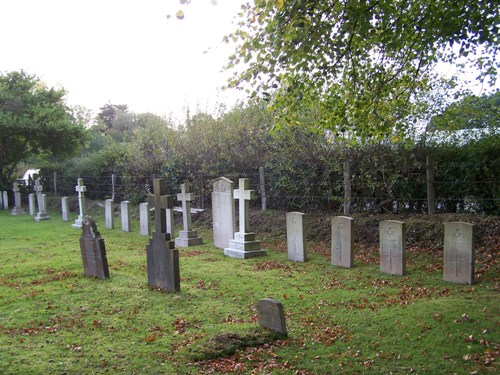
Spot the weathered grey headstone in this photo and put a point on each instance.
(42, 202)
(295, 236)
(224, 217)
(109, 213)
(125, 213)
(80, 189)
(271, 315)
(31, 204)
(65, 208)
(458, 253)
(244, 245)
(162, 257)
(342, 241)
(392, 247)
(5, 199)
(93, 250)
(188, 236)
(17, 210)
(144, 219)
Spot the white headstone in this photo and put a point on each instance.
(392, 247)
(144, 219)
(187, 237)
(224, 217)
(109, 213)
(42, 202)
(80, 189)
(17, 210)
(295, 235)
(5, 199)
(342, 241)
(458, 253)
(125, 212)
(244, 245)
(31, 204)
(65, 208)
(170, 222)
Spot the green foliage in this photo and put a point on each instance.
(34, 123)
(361, 66)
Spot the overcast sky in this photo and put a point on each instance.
(123, 51)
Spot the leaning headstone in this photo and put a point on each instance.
(5, 199)
(162, 257)
(392, 247)
(342, 241)
(109, 213)
(42, 202)
(295, 236)
(80, 189)
(244, 245)
(188, 236)
(17, 210)
(224, 218)
(93, 250)
(65, 208)
(271, 315)
(31, 204)
(125, 213)
(144, 219)
(458, 253)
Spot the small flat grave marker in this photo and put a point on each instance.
(95, 262)
(342, 241)
(271, 315)
(392, 247)
(458, 253)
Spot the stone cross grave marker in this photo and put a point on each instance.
(392, 247)
(342, 241)
(80, 189)
(458, 253)
(65, 208)
(31, 204)
(162, 257)
(41, 199)
(224, 217)
(144, 219)
(271, 315)
(125, 213)
(187, 237)
(244, 245)
(5, 198)
(17, 210)
(95, 262)
(109, 213)
(295, 236)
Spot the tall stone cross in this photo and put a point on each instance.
(185, 196)
(80, 189)
(244, 195)
(17, 210)
(161, 202)
(38, 190)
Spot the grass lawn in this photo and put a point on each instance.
(55, 321)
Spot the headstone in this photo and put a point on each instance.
(271, 315)
(125, 213)
(17, 210)
(187, 237)
(144, 219)
(295, 236)
(162, 257)
(65, 208)
(458, 253)
(5, 197)
(31, 204)
(93, 250)
(342, 241)
(392, 247)
(169, 214)
(224, 218)
(109, 213)
(42, 202)
(244, 245)
(80, 189)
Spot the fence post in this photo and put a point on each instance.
(429, 166)
(347, 186)
(202, 196)
(55, 184)
(262, 182)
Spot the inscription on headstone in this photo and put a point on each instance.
(392, 247)
(271, 315)
(295, 236)
(342, 241)
(188, 236)
(93, 250)
(224, 218)
(458, 253)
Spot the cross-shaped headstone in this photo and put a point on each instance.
(80, 189)
(185, 196)
(161, 202)
(244, 195)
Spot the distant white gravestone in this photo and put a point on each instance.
(295, 237)
(125, 212)
(65, 208)
(224, 218)
(342, 241)
(42, 202)
(17, 210)
(187, 236)
(392, 247)
(80, 189)
(144, 219)
(109, 213)
(458, 253)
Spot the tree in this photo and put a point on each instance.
(34, 122)
(109, 113)
(360, 65)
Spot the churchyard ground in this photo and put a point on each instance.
(54, 321)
